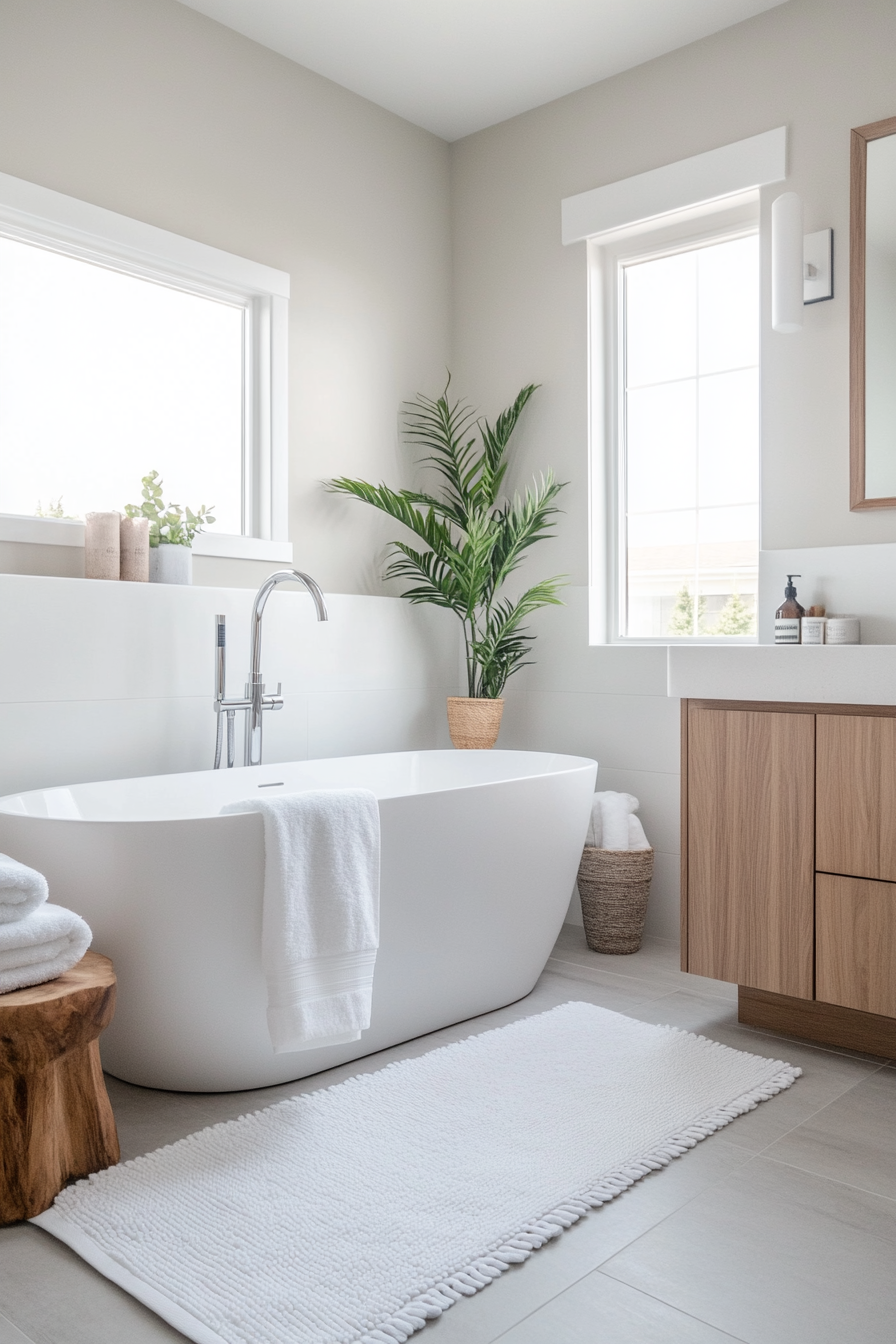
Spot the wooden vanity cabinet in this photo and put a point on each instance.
(789, 864)
(856, 823)
(750, 854)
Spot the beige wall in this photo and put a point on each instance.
(817, 66)
(150, 109)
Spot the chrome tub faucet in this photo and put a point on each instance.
(254, 701)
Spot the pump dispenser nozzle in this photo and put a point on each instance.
(789, 615)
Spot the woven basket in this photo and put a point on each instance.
(613, 886)
(474, 723)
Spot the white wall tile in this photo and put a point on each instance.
(623, 732)
(663, 908)
(357, 722)
(848, 580)
(368, 643)
(564, 660)
(75, 741)
(87, 640)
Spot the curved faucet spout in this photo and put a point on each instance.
(258, 702)
(261, 597)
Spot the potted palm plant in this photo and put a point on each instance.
(473, 540)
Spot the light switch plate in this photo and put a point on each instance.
(818, 266)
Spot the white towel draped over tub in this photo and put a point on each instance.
(41, 946)
(21, 889)
(320, 923)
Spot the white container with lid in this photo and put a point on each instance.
(843, 630)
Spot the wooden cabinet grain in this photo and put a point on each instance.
(856, 819)
(789, 864)
(856, 942)
(750, 855)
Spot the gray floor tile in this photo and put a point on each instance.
(775, 1255)
(656, 959)
(147, 1119)
(601, 1308)
(796, 1245)
(851, 1140)
(586, 1245)
(11, 1334)
(621, 989)
(826, 1075)
(55, 1298)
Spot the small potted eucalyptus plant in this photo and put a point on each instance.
(474, 538)
(171, 532)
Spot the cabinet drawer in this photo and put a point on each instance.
(856, 804)
(855, 934)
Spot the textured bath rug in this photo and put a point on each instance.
(361, 1211)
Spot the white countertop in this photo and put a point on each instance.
(853, 674)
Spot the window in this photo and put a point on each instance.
(125, 349)
(688, 440)
(673, 392)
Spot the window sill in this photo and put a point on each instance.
(20, 528)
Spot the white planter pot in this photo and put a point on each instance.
(170, 564)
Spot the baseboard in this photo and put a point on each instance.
(827, 1023)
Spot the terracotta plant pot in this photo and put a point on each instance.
(474, 723)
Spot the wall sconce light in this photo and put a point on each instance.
(802, 267)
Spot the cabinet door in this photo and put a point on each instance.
(751, 806)
(856, 817)
(855, 937)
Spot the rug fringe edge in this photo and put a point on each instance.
(483, 1271)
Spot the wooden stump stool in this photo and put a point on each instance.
(55, 1118)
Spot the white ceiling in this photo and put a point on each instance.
(455, 66)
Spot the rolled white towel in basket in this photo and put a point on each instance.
(614, 824)
(21, 889)
(41, 946)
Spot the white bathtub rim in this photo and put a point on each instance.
(17, 804)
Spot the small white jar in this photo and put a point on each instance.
(813, 629)
(843, 630)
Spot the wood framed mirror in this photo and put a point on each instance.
(872, 317)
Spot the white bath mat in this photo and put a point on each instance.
(361, 1211)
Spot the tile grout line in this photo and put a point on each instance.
(736, 1339)
(598, 1267)
(831, 1180)
(29, 1338)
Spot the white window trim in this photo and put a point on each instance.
(35, 214)
(738, 222)
(679, 195)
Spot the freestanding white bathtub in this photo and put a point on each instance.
(479, 856)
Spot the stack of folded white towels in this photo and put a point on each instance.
(613, 823)
(38, 941)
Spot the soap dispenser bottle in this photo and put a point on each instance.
(789, 615)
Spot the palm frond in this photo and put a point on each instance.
(421, 513)
(524, 521)
(473, 541)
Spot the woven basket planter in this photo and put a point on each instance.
(474, 724)
(613, 887)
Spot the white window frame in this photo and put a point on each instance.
(714, 225)
(682, 194)
(36, 215)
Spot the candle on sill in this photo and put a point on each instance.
(102, 545)
(134, 539)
